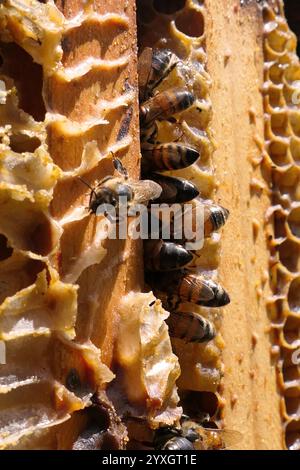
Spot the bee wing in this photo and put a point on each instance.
(145, 191)
(144, 69)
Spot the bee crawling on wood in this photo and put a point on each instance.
(153, 66)
(114, 190)
(190, 327)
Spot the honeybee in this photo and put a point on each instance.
(190, 327)
(163, 256)
(174, 190)
(181, 286)
(166, 157)
(154, 65)
(192, 436)
(165, 104)
(170, 224)
(214, 218)
(189, 435)
(112, 188)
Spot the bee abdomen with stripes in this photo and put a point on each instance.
(181, 286)
(166, 157)
(190, 327)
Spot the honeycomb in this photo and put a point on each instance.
(281, 160)
(53, 360)
(38, 303)
(179, 26)
(60, 317)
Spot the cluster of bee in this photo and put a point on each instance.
(166, 261)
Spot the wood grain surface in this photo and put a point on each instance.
(97, 319)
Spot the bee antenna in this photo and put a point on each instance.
(84, 182)
(119, 167)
